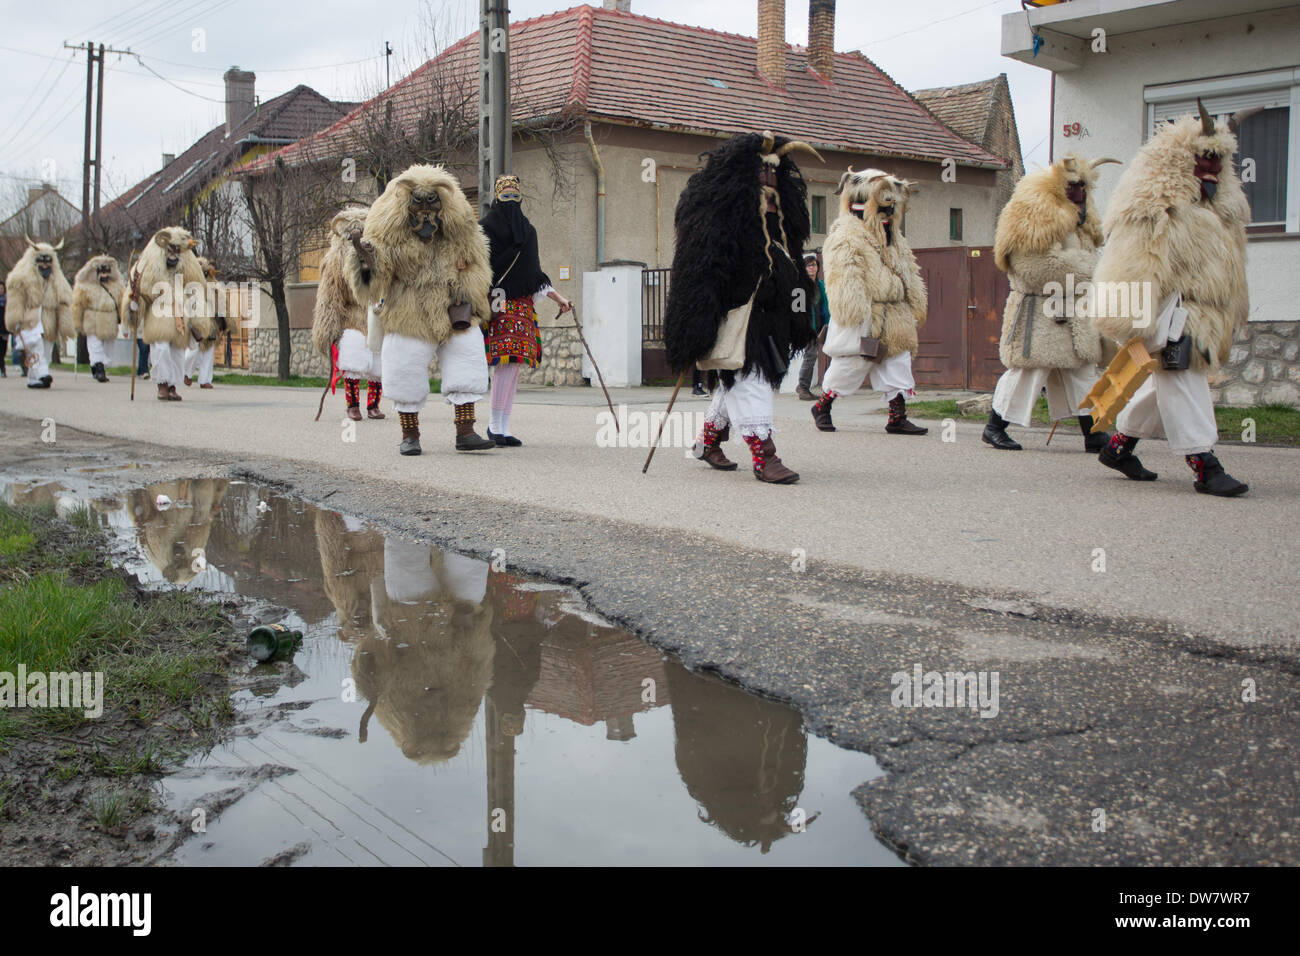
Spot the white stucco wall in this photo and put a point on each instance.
(1106, 96)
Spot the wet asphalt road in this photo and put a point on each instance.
(1116, 741)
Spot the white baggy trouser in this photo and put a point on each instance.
(891, 376)
(462, 362)
(198, 362)
(166, 363)
(409, 577)
(98, 350)
(1018, 389)
(1176, 405)
(748, 405)
(355, 358)
(34, 342)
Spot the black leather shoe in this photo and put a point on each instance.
(504, 441)
(474, 442)
(47, 381)
(409, 446)
(995, 434)
(905, 427)
(1126, 464)
(1219, 482)
(41, 384)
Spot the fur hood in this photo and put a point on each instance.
(37, 302)
(417, 281)
(1039, 215)
(1160, 230)
(94, 303)
(342, 275)
(157, 284)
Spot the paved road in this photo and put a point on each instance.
(963, 565)
(1035, 522)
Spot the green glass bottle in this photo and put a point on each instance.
(272, 640)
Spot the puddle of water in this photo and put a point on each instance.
(449, 714)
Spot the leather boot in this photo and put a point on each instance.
(995, 434)
(410, 422)
(898, 423)
(709, 448)
(163, 394)
(466, 438)
(172, 395)
(1125, 462)
(804, 394)
(821, 412)
(354, 412)
(768, 467)
(1211, 479)
(1092, 443)
(97, 371)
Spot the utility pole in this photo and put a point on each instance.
(89, 206)
(494, 151)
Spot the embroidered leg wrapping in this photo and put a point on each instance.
(464, 419)
(374, 391)
(352, 391)
(410, 422)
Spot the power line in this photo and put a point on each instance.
(169, 28)
(44, 73)
(48, 90)
(926, 26)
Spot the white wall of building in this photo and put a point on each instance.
(1105, 96)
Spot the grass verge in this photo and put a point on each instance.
(160, 663)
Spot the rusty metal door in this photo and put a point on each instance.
(988, 297)
(941, 360)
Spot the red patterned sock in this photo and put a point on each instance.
(709, 438)
(897, 409)
(352, 389)
(1121, 444)
(823, 403)
(373, 392)
(1197, 464)
(755, 449)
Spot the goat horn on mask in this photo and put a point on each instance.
(1239, 117)
(843, 180)
(60, 245)
(768, 142)
(1104, 160)
(1207, 121)
(799, 145)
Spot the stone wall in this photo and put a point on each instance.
(264, 353)
(561, 356)
(1262, 368)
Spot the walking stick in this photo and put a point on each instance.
(600, 378)
(1051, 433)
(668, 411)
(329, 383)
(135, 291)
(135, 360)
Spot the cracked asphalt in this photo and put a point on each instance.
(1126, 733)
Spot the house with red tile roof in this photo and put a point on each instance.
(632, 102)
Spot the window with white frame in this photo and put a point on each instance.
(1269, 141)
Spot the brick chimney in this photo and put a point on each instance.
(239, 96)
(771, 41)
(622, 6)
(821, 37)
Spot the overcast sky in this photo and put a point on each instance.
(336, 47)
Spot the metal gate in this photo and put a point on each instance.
(654, 301)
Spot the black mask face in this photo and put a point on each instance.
(44, 265)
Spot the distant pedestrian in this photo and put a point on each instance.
(821, 317)
(142, 358)
(4, 331)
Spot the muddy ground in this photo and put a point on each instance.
(1116, 741)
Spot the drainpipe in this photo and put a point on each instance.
(600, 193)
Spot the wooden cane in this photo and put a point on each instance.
(600, 378)
(330, 381)
(1052, 432)
(135, 291)
(668, 411)
(135, 360)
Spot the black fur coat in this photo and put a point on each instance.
(719, 261)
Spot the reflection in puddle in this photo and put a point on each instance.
(446, 713)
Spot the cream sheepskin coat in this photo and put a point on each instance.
(873, 288)
(1040, 241)
(94, 303)
(415, 282)
(1160, 230)
(35, 302)
(163, 319)
(337, 308)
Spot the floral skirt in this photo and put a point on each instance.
(513, 336)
